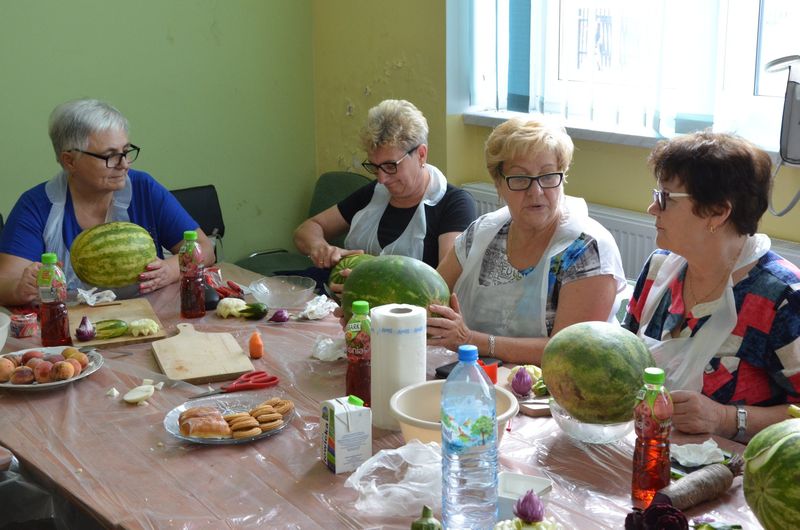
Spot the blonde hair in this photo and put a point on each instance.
(394, 122)
(517, 137)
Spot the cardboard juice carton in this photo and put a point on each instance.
(346, 433)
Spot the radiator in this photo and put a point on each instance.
(634, 232)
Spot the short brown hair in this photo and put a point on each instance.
(716, 169)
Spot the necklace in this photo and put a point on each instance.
(728, 272)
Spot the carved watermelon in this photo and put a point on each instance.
(394, 280)
(772, 475)
(112, 254)
(594, 370)
(347, 262)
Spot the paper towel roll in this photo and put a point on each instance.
(399, 356)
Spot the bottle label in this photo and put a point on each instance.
(52, 285)
(357, 336)
(653, 413)
(463, 429)
(190, 258)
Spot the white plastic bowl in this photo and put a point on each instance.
(590, 433)
(5, 322)
(283, 292)
(417, 409)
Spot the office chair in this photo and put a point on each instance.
(202, 203)
(331, 187)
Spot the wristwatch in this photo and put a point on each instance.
(741, 424)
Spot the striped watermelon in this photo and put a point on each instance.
(772, 475)
(347, 262)
(112, 254)
(394, 280)
(594, 370)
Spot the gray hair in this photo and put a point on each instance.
(394, 122)
(72, 123)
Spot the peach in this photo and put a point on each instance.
(76, 365)
(42, 371)
(15, 358)
(53, 357)
(81, 358)
(28, 355)
(22, 375)
(7, 367)
(69, 352)
(33, 361)
(61, 370)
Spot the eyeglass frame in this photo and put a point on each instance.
(106, 158)
(366, 164)
(660, 197)
(531, 180)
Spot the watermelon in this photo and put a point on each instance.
(347, 262)
(772, 475)
(594, 370)
(394, 280)
(112, 254)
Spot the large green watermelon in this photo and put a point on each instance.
(594, 370)
(772, 475)
(394, 280)
(347, 262)
(112, 254)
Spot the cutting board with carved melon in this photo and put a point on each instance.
(197, 357)
(127, 310)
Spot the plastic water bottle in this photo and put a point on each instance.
(193, 283)
(358, 379)
(53, 308)
(469, 445)
(652, 422)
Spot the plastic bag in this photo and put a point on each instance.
(328, 349)
(396, 482)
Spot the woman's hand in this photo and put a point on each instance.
(326, 256)
(448, 329)
(695, 413)
(27, 287)
(158, 274)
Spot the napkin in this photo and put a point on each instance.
(319, 307)
(90, 297)
(693, 455)
(328, 349)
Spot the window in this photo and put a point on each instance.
(645, 67)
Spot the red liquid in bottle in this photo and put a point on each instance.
(193, 297)
(652, 422)
(358, 379)
(55, 324)
(357, 338)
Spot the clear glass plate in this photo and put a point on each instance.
(95, 362)
(592, 433)
(227, 404)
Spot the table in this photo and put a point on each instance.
(118, 463)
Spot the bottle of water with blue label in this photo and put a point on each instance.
(469, 445)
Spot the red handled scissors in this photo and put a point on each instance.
(248, 381)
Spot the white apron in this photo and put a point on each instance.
(684, 359)
(363, 232)
(56, 189)
(519, 309)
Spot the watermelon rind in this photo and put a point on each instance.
(594, 369)
(772, 475)
(112, 254)
(394, 280)
(348, 262)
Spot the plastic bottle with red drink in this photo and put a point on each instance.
(52, 302)
(359, 352)
(193, 283)
(652, 422)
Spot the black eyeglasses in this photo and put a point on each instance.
(523, 182)
(660, 197)
(115, 160)
(390, 168)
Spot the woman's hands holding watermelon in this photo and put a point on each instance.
(27, 289)
(325, 256)
(158, 274)
(695, 413)
(448, 328)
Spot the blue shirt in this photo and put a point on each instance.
(152, 207)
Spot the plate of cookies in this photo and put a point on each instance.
(229, 419)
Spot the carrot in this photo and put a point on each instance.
(704, 484)
(256, 345)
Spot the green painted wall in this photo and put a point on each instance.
(216, 92)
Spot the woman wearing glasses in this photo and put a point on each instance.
(409, 209)
(95, 185)
(718, 309)
(539, 264)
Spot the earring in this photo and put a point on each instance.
(712, 229)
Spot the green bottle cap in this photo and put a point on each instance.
(355, 400)
(190, 235)
(360, 307)
(654, 376)
(49, 258)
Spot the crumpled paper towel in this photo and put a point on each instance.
(328, 349)
(90, 297)
(693, 455)
(319, 307)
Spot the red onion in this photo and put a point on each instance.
(529, 507)
(280, 315)
(522, 382)
(85, 330)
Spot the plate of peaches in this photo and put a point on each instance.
(46, 368)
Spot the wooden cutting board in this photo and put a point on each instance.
(197, 357)
(539, 406)
(127, 310)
